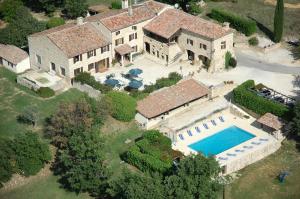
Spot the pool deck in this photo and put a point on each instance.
(238, 156)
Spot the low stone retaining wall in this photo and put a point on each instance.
(87, 89)
(252, 157)
(27, 83)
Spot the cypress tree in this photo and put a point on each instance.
(278, 21)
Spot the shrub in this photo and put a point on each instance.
(227, 59)
(45, 92)
(253, 41)
(55, 21)
(86, 78)
(243, 96)
(116, 5)
(29, 116)
(246, 26)
(232, 62)
(123, 106)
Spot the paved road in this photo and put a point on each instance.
(251, 62)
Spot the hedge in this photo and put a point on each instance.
(86, 78)
(45, 92)
(260, 105)
(246, 26)
(122, 106)
(253, 41)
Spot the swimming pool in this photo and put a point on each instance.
(222, 141)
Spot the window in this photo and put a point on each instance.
(77, 58)
(78, 70)
(10, 64)
(134, 48)
(134, 27)
(91, 53)
(132, 36)
(91, 66)
(104, 49)
(62, 71)
(118, 32)
(119, 41)
(203, 46)
(223, 45)
(190, 42)
(52, 66)
(38, 59)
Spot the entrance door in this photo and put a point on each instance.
(147, 46)
(191, 55)
(52, 66)
(100, 66)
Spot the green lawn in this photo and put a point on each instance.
(261, 12)
(14, 98)
(259, 180)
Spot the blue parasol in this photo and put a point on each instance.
(111, 82)
(135, 71)
(135, 84)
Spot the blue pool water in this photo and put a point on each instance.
(222, 141)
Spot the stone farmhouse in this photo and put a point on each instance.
(158, 30)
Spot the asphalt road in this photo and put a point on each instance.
(251, 62)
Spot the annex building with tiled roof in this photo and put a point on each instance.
(159, 30)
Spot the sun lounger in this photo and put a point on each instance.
(189, 132)
(197, 129)
(264, 139)
(238, 150)
(221, 119)
(222, 158)
(181, 136)
(256, 143)
(231, 154)
(205, 125)
(247, 147)
(214, 122)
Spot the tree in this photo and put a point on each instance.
(21, 26)
(55, 21)
(135, 186)
(75, 8)
(70, 118)
(122, 106)
(184, 4)
(196, 177)
(81, 165)
(29, 153)
(8, 9)
(278, 21)
(296, 119)
(29, 115)
(6, 166)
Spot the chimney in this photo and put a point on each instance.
(79, 21)
(130, 12)
(124, 4)
(226, 25)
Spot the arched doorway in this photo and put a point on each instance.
(191, 55)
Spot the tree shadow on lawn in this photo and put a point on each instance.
(263, 28)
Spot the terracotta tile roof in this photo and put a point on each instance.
(117, 19)
(271, 121)
(78, 39)
(123, 49)
(172, 20)
(52, 30)
(12, 53)
(167, 99)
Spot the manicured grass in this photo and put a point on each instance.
(14, 98)
(42, 188)
(259, 180)
(261, 12)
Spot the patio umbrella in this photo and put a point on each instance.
(111, 82)
(135, 71)
(135, 84)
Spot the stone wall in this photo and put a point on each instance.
(87, 89)
(27, 83)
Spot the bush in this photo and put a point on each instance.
(45, 92)
(123, 106)
(116, 5)
(55, 21)
(29, 116)
(253, 41)
(243, 96)
(227, 59)
(232, 62)
(86, 78)
(246, 26)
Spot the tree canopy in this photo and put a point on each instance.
(75, 8)
(278, 21)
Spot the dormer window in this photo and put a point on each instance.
(77, 58)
